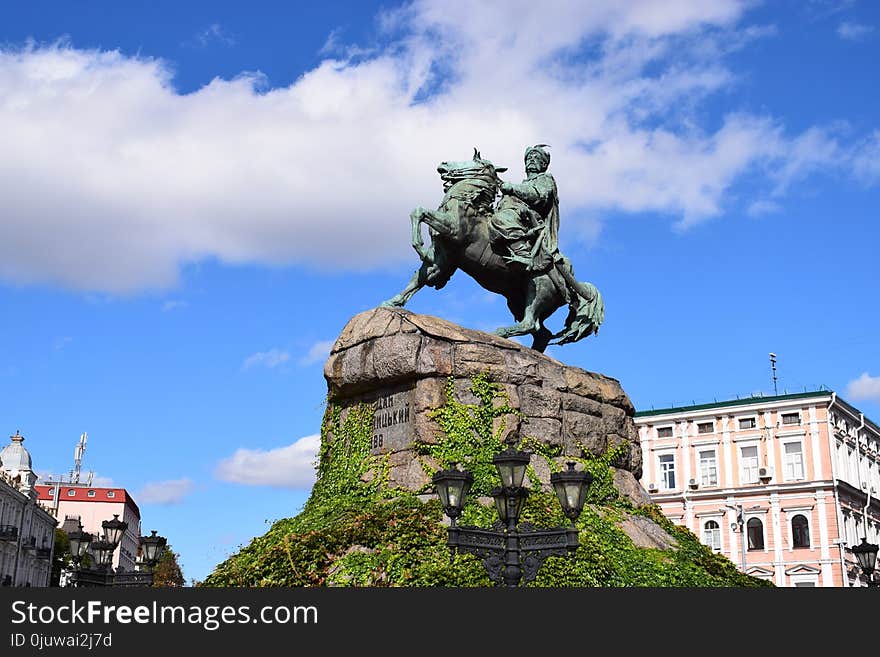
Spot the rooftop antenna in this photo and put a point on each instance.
(773, 367)
(78, 457)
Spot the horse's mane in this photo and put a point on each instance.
(473, 184)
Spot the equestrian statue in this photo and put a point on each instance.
(509, 247)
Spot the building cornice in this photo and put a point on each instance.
(758, 402)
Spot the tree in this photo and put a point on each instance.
(167, 571)
(61, 558)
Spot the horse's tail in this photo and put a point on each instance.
(586, 314)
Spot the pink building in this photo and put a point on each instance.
(93, 505)
(784, 486)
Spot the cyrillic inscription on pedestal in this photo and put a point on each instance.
(393, 423)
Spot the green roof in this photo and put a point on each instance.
(755, 399)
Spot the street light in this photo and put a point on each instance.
(153, 546)
(114, 529)
(102, 549)
(512, 553)
(866, 555)
(79, 543)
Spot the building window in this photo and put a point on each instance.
(800, 532)
(111, 493)
(793, 462)
(791, 418)
(749, 464)
(71, 492)
(664, 432)
(712, 534)
(705, 427)
(756, 534)
(708, 468)
(91, 493)
(748, 423)
(667, 471)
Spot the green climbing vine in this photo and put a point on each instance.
(471, 433)
(356, 530)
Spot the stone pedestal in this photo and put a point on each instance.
(401, 362)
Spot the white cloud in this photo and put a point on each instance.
(172, 491)
(324, 172)
(292, 466)
(854, 31)
(866, 159)
(317, 352)
(270, 359)
(214, 33)
(865, 388)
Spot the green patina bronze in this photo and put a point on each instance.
(510, 247)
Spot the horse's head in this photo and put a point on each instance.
(479, 171)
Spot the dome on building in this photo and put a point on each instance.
(14, 457)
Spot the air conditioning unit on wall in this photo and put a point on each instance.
(692, 483)
(652, 488)
(765, 474)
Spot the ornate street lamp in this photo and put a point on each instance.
(452, 486)
(103, 551)
(114, 529)
(866, 555)
(153, 546)
(79, 543)
(512, 553)
(511, 465)
(571, 490)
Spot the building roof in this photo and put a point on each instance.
(14, 457)
(759, 399)
(80, 493)
(754, 399)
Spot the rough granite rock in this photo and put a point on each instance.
(401, 361)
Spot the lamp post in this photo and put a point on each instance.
(102, 549)
(512, 553)
(151, 549)
(866, 555)
(80, 542)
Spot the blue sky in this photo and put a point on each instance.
(198, 196)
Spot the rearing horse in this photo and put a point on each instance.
(459, 232)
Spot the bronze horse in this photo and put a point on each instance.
(459, 232)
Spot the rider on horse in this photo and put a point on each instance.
(525, 226)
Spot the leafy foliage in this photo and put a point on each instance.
(355, 530)
(61, 557)
(167, 572)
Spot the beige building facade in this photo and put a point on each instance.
(783, 485)
(27, 531)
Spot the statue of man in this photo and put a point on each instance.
(526, 222)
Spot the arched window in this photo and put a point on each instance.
(756, 534)
(712, 534)
(800, 532)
